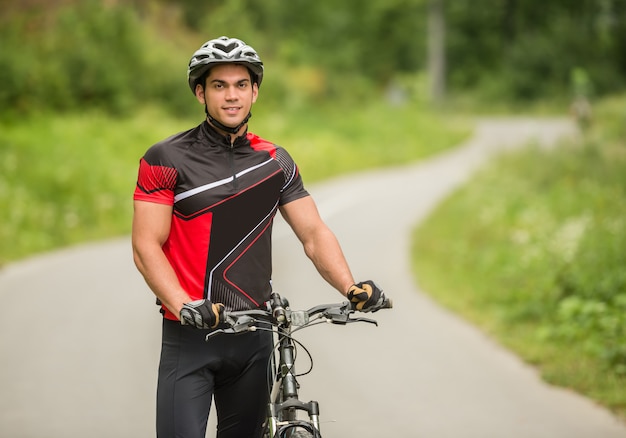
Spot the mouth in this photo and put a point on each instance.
(231, 110)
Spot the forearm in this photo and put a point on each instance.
(160, 277)
(325, 252)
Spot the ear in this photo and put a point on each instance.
(255, 92)
(200, 94)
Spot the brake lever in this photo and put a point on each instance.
(216, 332)
(361, 319)
(237, 325)
(344, 316)
(337, 316)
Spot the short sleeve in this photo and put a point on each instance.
(156, 181)
(294, 187)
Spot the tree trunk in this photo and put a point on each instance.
(437, 50)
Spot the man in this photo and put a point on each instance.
(204, 207)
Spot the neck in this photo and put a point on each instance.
(231, 135)
(234, 132)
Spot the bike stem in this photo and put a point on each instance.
(287, 371)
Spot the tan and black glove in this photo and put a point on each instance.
(202, 314)
(366, 296)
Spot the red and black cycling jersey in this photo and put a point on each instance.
(224, 199)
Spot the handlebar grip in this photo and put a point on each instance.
(387, 304)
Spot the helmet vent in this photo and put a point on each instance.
(226, 49)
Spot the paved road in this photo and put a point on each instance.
(421, 373)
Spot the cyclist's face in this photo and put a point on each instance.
(228, 93)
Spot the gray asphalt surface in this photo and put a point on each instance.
(79, 338)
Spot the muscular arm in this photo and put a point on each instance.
(320, 244)
(151, 227)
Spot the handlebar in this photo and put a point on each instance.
(278, 314)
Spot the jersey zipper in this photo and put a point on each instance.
(231, 159)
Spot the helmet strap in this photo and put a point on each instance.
(223, 127)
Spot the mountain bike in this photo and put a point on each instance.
(284, 406)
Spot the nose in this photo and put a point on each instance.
(231, 93)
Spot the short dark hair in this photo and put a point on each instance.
(202, 79)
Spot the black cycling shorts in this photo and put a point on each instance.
(232, 369)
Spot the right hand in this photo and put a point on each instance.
(202, 314)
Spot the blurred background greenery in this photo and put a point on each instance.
(537, 242)
(64, 55)
(533, 251)
(88, 85)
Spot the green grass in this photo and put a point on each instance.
(533, 251)
(66, 179)
(331, 140)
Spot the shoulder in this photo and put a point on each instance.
(260, 144)
(170, 147)
(279, 153)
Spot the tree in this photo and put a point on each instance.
(437, 50)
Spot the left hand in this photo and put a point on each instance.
(366, 296)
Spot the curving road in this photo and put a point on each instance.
(79, 337)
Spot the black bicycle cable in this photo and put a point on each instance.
(279, 332)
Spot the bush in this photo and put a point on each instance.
(533, 250)
(88, 55)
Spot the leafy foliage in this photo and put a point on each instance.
(534, 251)
(525, 50)
(87, 55)
(116, 55)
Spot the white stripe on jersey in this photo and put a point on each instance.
(204, 188)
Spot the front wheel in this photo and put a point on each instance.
(298, 430)
(303, 434)
(294, 431)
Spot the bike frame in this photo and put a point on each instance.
(284, 404)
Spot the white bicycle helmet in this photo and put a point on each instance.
(223, 50)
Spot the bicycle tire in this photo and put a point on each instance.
(295, 434)
(298, 430)
(302, 434)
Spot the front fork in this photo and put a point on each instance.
(291, 406)
(287, 385)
